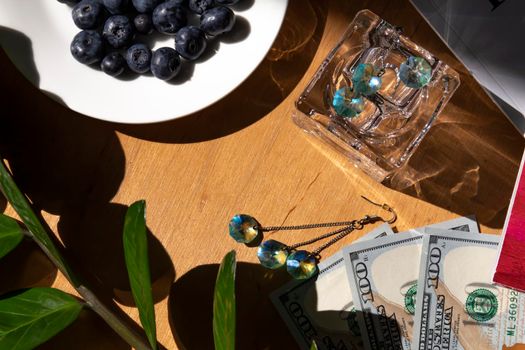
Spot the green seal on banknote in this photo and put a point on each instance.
(482, 305)
(410, 300)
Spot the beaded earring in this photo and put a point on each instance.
(366, 79)
(349, 102)
(300, 264)
(415, 72)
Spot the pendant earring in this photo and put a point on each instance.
(415, 72)
(366, 79)
(300, 264)
(244, 228)
(348, 102)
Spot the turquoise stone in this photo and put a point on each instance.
(272, 254)
(415, 72)
(365, 79)
(301, 265)
(347, 104)
(243, 228)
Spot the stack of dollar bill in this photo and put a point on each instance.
(427, 288)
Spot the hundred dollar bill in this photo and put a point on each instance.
(320, 309)
(383, 276)
(466, 224)
(458, 306)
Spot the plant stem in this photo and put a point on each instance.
(128, 334)
(35, 229)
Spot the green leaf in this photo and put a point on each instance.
(137, 264)
(34, 316)
(224, 304)
(21, 205)
(10, 234)
(314, 345)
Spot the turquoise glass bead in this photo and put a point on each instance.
(243, 228)
(272, 254)
(415, 72)
(347, 104)
(365, 79)
(301, 265)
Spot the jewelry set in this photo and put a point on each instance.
(349, 101)
(300, 264)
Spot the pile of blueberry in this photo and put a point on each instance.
(109, 28)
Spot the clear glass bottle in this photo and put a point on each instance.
(381, 138)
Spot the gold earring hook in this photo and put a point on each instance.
(386, 207)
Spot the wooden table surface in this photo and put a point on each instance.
(241, 155)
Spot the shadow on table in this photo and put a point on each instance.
(26, 266)
(272, 81)
(88, 332)
(259, 326)
(469, 160)
(21, 51)
(69, 166)
(190, 309)
(92, 234)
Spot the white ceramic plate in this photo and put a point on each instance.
(48, 25)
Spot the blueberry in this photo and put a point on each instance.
(143, 23)
(144, 6)
(118, 31)
(87, 47)
(165, 63)
(190, 42)
(138, 58)
(113, 64)
(116, 6)
(199, 6)
(226, 2)
(169, 17)
(87, 14)
(183, 3)
(217, 20)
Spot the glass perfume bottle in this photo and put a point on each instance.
(394, 119)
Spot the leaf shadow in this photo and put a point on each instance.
(60, 158)
(190, 309)
(88, 332)
(24, 267)
(92, 235)
(259, 326)
(3, 204)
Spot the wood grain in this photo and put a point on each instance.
(241, 155)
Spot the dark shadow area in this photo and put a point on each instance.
(20, 51)
(3, 203)
(185, 74)
(272, 81)
(70, 166)
(259, 325)
(243, 5)
(55, 154)
(92, 234)
(240, 31)
(88, 332)
(24, 267)
(190, 309)
(469, 160)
